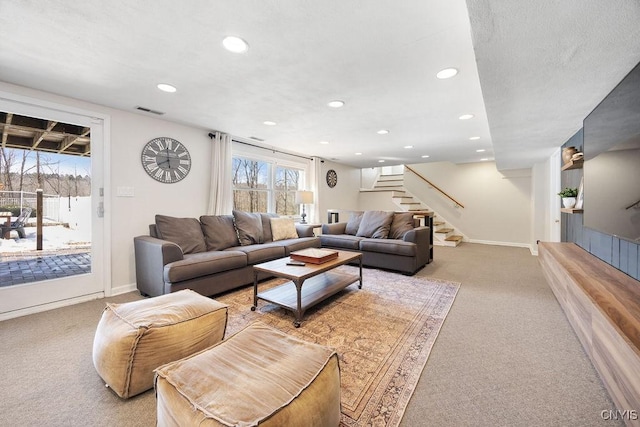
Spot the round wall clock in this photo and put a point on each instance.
(332, 178)
(166, 160)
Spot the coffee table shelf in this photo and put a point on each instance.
(307, 285)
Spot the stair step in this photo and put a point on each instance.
(380, 190)
(389, 184)
(435, 223)
(390, 178)
(444, 230)
(454, 238)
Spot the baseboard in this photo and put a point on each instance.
(131, 287)
(50, 306)
(494, 243)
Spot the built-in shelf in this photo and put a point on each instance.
(571, 210)
(573, 164)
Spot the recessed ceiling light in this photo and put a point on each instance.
(324, 142)
(447, 73)
(335, 103)
(474, 138)
(269, 123)
(484, 159)
(166, 87)
(358, 154)
(425, 156)
(408, 147)
(380, 161)
(383, 132)
(235, 44)
(466, 117)
(482, 150)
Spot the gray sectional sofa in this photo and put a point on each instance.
(388, 240)
(215, 253)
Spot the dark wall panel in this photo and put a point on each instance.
(621, 254)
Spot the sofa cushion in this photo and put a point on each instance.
(341, 241)
(249, 227)
(283, 228)
(402, 222)
(375, 224)
(297, 244)
(353, 223)
(203, 264)
(219, 232)
(184, 232)
(267, 235)
(260, 253)
(389, 246)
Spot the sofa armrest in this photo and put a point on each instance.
(305, 230)
(335, 228)
(151, 255)
(421, 236)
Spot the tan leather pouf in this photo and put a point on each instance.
(135, 338)
(259, 376)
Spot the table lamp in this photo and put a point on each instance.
(304, 197)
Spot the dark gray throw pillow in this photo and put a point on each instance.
(249, 227)
(184, 232)
(219, 232)
(375, 224)
(354, 223)
(402, 222)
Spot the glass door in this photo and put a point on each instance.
(58, 257)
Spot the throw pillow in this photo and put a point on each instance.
(283, 228)
(375, 224)
(266, 226)
(402, 222)
(354, 223)
(219, 232)
(184, 232)
(249, 227)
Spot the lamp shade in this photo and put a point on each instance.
(304, 197)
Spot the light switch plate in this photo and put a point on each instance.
(124, 192)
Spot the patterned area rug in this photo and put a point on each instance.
(383, 334)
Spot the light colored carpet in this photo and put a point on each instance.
(383, 334)
(505, 356)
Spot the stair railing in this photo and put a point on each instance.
(457, 203)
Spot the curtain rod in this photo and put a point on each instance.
(212, 135)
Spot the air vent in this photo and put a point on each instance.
(148, 110)
(255, 138)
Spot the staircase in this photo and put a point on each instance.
(443, 233)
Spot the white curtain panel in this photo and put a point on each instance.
(221, 194)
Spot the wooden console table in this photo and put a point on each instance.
(603, 306)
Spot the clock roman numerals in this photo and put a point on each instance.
(166, 160)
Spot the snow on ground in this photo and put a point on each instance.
(53, 237)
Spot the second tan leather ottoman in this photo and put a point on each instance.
(259, 376)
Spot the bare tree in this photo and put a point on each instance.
(8, 157)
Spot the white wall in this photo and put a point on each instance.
(497, 206)
(130, 216)
(343, 196)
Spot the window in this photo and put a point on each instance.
(262, 186)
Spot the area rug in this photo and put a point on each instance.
(383, 334)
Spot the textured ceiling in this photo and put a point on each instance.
(539, 71)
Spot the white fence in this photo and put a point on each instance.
(51, 208)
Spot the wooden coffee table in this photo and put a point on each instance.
(319, 280)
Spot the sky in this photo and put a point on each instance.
(64, 164)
